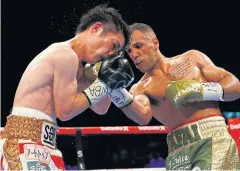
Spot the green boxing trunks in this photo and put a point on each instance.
(202, 145)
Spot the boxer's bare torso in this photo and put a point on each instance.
(153, 85)
(35, 89)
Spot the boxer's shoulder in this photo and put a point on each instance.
(191, 55)
(60, 49)
(195, 56)
(149, 84)
(184, 66)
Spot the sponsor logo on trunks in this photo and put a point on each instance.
(182, 137)
(234, 126)
(151, 128)
(180, 163)
(37, 166)
(48, 136)
(36, 152)
(116, 128)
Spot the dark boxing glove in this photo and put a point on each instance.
(115, 73)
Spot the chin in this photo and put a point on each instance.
(144, 70)
(141, 70)
(91, 60)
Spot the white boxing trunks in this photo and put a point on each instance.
(28, 142)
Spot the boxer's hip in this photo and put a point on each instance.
(30, 124)
(28, 141)
(18, 154)
(210, 127)
(204, 144)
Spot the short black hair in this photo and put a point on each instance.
(103, 13)
(140, 26)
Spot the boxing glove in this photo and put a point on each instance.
(184, 92)
(120, 97)
(114, 73)
(90, 71)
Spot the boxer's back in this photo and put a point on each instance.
(35, 88)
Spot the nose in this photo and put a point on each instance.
(133, 53)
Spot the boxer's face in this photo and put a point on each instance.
(142, 51)
(102, 42)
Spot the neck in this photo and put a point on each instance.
(160, 63)
(78, 46)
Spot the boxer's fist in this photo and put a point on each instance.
(113, 73)
(90, 71)
(116, 72)
(184, 92)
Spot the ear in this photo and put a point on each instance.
(97, 28)
(156, 43)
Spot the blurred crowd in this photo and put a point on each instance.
(117, 151)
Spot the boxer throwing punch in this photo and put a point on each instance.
(182, 92)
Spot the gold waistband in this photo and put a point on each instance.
(23, 127)
(195, 131)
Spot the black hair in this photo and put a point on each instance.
(103, 13)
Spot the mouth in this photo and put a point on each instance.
(138, 62)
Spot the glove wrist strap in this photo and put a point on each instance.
(121, 98)
(96, 91)
(212, 91)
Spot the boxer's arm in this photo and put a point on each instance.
(102, 106)
(139, 110)
(68, 103)
(212, 73)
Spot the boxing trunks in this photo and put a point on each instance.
(204, 144)
(234, 130)
(28, 142)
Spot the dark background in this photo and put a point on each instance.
(29, 26)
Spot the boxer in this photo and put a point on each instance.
(53, 86)
(182, 92)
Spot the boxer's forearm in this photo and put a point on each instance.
(231, 87)
(75, 105)
(138, 112)
(102, 106)
(80, 103)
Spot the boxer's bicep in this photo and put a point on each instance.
(65, 83)
(209, 70)
(213, 73)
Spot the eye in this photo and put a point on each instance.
(138, 46)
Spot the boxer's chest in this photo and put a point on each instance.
(153, 87)
(183, 69)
